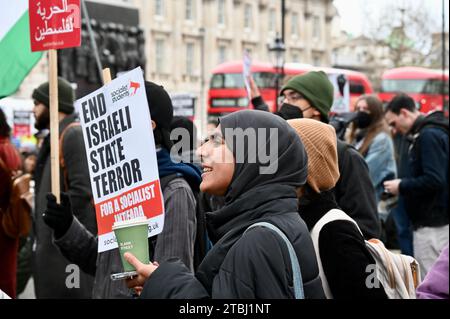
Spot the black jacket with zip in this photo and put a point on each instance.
(251, 265)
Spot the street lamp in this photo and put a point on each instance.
(276, 50)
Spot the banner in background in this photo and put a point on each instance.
(341, 102)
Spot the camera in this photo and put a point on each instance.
(340, 122)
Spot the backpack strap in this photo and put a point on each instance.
(62, 163)
(330, 216)
(297, 274)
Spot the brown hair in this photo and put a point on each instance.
(379, 124)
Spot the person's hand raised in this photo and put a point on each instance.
(254, 91)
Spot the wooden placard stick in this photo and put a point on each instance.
(54, 122)
(106, 76)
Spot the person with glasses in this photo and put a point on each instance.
(310, 95)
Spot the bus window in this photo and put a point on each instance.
(356, 88)
(435, 87)
(412, 86)
(217, 81)
(228, 80)
(236, 80)
(264, 79)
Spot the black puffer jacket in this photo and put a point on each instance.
(254, 265)
(354, 191)
(425, 188)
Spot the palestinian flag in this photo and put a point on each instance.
(16, 58)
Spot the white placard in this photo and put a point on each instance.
(121, 155)
(246, 71)
(341, 101)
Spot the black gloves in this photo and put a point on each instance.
(59, 217)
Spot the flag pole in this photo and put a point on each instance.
(54, 122)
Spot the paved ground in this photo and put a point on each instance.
(28, 293)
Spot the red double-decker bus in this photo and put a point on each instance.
(227, 91)
(428, 87)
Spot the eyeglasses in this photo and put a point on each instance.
(215, 138)
(293, 97)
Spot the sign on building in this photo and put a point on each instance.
(183, 104)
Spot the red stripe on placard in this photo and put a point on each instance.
(145, 200)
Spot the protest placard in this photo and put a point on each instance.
(54, 24)
(341, 100)
(246, 72)
(121, 155)
(22, 120)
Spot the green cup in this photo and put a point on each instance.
(132, 236)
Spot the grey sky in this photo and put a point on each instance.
(352, 12)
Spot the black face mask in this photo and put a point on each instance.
(363, 120)
(289, 112)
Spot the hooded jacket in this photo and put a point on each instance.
(425, 188)
(255, 264)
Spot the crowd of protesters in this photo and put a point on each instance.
(323, 196)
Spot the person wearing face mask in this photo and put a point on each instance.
(370, 135)
(245, 263)
(310, 95)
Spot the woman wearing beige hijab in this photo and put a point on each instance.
(340, 248)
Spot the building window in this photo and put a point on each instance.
(272, 20)
(190, 59)
(221, 12)
(159, 7)
(222, 54)
(294, 24)
(248, 16)
(316, 60)
(159, 56)
(189, 9)
(335, 56)
(295, 57)
(316, 28)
